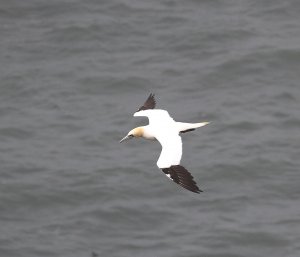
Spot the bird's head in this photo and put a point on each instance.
(136, 132)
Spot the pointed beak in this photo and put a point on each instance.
(125, 138)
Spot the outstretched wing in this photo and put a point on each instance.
(171, 151)
(160, 119)
(182, 177)
(149, 104)
(169, 161)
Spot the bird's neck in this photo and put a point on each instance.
(147, 133)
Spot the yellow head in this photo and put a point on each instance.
(136, 132)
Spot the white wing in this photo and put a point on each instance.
(171, 150)
(156, 117)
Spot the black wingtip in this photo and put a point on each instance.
(150, 103)
(182, 177)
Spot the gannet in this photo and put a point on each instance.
(163, 128)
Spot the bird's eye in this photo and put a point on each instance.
(130, 136)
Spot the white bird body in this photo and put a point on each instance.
(163, 128)
(166, 130)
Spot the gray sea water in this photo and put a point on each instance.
(72, 75)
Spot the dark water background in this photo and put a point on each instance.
(73, 73)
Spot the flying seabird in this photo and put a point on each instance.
(164, 129)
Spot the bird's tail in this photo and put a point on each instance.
(186, 127)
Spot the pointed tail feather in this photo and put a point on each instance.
(184, 127)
